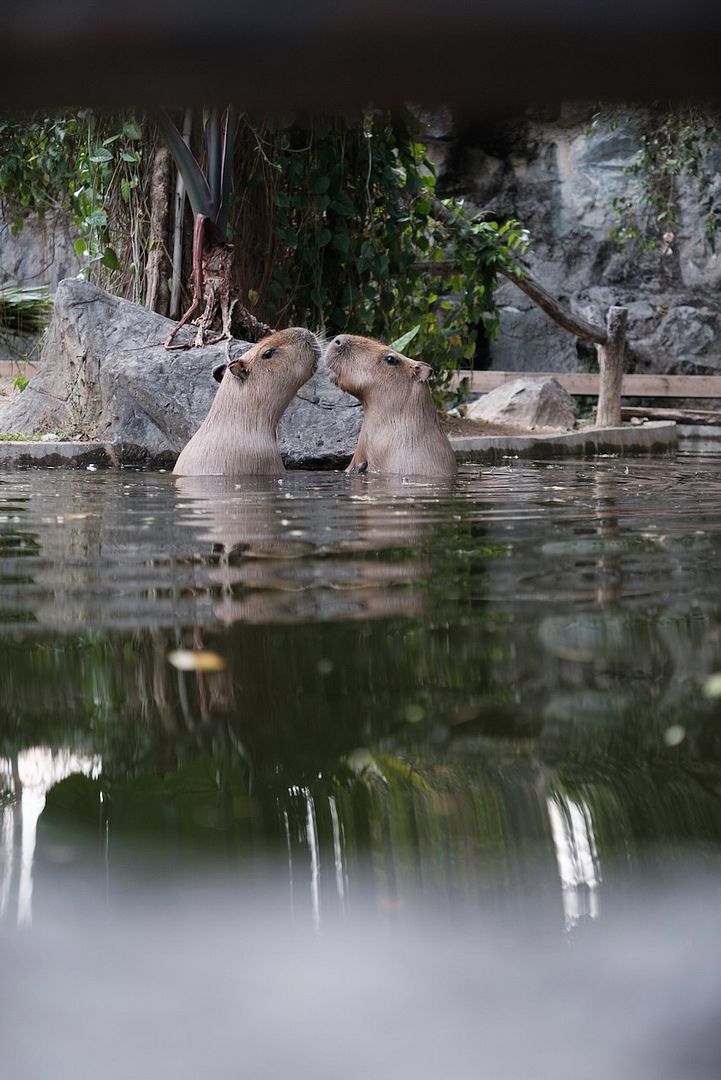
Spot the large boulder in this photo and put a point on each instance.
(104, 373)
(527, 403)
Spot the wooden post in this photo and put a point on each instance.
(610, 363)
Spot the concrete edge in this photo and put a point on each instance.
(658, 437)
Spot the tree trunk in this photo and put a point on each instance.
(156, 275)
(610, 362)
(178, 232)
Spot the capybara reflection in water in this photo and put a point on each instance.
(238, 436)
(401, 433)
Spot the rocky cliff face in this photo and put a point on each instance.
(558, 172)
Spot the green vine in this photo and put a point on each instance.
(88, 166)
(676, 144)
(334, 220)
(353, 243)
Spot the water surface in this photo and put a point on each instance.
(490, 696)
(469, 685)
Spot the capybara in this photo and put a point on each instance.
(401, 433)
(238, 436)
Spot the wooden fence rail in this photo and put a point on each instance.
(676, 386)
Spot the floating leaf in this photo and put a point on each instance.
(712, 686)
(674, 735)
(196, 660)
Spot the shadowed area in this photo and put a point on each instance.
(491, 57)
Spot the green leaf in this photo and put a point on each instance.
(196, 183)
(131, 130)
(323, 237)
(341, 242)
(402, 342)
(80, 246)
(318, 183)
(110, 259)
(98, 218)
(101, 155)
(343, 204)
(130, 155)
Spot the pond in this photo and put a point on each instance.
(362, 707)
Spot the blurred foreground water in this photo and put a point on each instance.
(361, 777)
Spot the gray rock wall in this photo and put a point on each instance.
(558, 172)
(41, 253)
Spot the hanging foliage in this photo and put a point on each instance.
(679, 147)
(90, 167)
(333, 221)
(337, 220)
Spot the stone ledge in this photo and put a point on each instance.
(659, 437)
(57, 455)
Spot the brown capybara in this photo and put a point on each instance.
(238, 436)
(401, 434)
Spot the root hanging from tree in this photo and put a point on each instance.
(214, 292)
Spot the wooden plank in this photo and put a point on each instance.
(682, 386)
(681, 416)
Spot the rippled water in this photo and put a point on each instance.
(493, 695)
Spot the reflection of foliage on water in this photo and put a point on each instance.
(428, 747)
(655, 802)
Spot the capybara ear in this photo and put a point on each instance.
(219, 372)
(422, 371)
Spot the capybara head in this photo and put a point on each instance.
(276, 367)
(361, 366)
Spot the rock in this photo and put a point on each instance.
(529, 403)
(320, 427)
(40, 253)
(104, 372)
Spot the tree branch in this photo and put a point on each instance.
(523, 281)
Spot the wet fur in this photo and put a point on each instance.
(238, 436)
(401, 433)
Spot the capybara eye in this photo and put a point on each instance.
(391, 360)
(338, 341)
(267, 354)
